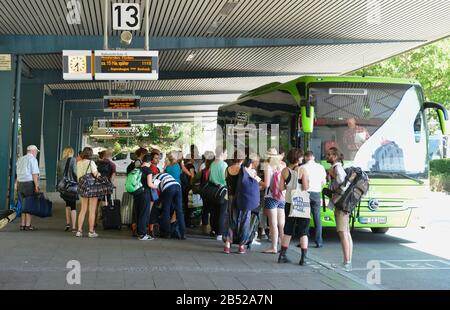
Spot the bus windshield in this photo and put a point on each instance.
(378, 127)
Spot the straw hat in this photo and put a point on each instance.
(272, 152)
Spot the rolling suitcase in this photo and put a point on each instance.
(127, 208)
(111, 215)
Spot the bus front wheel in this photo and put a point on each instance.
(379, 230)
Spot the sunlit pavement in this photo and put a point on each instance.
(416, 257)
(115, 260)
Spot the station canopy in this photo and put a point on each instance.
(210, 51)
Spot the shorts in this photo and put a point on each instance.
(292, 222)
(342, 220)
(25, 189)
(72, 204)
(270, 203)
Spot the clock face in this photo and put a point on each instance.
(77, 64)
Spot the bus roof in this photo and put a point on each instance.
(272, 87)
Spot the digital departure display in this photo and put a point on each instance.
(119, 124)
(126, 65)
(121, 103)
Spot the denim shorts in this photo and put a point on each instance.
(270, 203)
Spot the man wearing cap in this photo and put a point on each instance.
(27, 170)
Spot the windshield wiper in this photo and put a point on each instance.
(392, 174)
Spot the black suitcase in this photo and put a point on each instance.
(111, 215)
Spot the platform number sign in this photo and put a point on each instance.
(126, 16)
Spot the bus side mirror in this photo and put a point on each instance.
(307, 113)
(442, 115)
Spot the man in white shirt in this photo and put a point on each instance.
(27, 170)
(317, 179)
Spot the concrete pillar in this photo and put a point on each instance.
(50, 133)
(31, 113)
(7, 78)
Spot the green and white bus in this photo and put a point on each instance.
(379, 124)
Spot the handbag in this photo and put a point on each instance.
(214, 193)
(37, 205)
(90, 186)
(68, 187)
(300, 204)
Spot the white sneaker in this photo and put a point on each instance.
(79, 234)
(219, 238)
(92, 235)
(348, 267)
(146, 238)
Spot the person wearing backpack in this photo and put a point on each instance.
(106, 168)
(186, 186)
(217, 176)
(291, 176)
(134, 185)
(140, 152)
(204, 177)
(337, 175)
(243, 198)
(71, 205)
(274, 199)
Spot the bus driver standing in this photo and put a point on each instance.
(354, 137)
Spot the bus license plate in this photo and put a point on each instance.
(372, 220)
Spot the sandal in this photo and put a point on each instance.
(67, 227)
(30, 228)
(22, 227)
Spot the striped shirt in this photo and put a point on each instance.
(165, 181)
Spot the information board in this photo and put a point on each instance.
(121, 103)
(126, 65)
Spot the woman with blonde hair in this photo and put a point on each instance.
(71, 209)
(274, 200)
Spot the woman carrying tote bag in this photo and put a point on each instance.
(295, 180)
(87, 172)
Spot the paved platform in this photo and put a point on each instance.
(115, 260)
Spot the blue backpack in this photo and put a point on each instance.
(247, 194)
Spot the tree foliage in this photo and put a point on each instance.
(428, 64)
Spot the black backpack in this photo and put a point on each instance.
(105, 168)
(349, 194)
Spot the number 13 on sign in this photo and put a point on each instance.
(126, 16)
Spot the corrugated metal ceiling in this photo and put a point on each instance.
(325, 19)
(400, 19)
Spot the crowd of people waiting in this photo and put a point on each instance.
(233, 194)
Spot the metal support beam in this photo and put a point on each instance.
(55, 76)
(98, 94)
(105, 24)
(12, 174)
(147, 25)
(44, 44)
